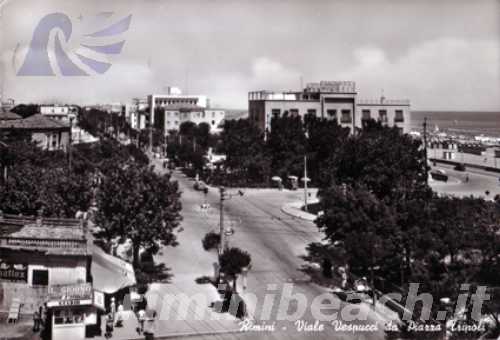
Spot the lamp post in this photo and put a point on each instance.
(305, 182)
(224, 244)
(4, 163)
(306, 135)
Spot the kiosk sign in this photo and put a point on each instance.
(70, 295)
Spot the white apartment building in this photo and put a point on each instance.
(63, 113)
(169, 111)
(329, 99)
(136, 113)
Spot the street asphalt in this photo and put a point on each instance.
(276, 242)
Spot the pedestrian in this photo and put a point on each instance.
(112, 307)
(466, 178)
(149, 329)
(119, 316)
(141, 315)
(109, 326)
(36, 321)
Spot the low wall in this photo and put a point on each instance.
(475, 166)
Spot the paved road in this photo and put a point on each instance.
(479, 182)
(276, 241)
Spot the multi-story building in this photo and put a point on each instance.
(169, 111)
(327, 99)
(63, 113)
(136, 115)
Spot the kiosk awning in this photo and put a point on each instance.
(110, 273)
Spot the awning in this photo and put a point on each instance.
(109, 273)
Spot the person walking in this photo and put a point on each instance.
(112, 307)
(141, 316)
(36, 321)
(149, 329)
(109, 326)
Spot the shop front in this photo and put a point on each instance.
(74, 311)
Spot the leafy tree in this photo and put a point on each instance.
(362, 222)
(380, 157)
(136, 203)
(26, 110)
(246, 156)
(232, 262)
(211, 241)
(287, 145)
(325, 138)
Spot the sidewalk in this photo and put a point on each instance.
(295, 209)
(183, 305)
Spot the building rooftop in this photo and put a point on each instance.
(48, 235)
(8, 115)
(34, 122)
(182, 107)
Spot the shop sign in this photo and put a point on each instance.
(13, 272)
(99, 299)
(70, 295)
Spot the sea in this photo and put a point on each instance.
(469, 123)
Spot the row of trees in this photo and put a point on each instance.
(133, 201)
(381, 218)
(252, 158)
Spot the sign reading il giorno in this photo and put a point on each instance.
(70, 295)
(13, 272)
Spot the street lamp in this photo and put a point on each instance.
(222, 231)
(305, 179)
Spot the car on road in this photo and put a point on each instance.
(439, 175)
(200, 186)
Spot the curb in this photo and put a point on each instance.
(295, 209)
(188, 334)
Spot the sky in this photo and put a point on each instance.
(440, 54)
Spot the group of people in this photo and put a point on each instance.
(114, 318)
(146, 321)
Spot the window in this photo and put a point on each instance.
(54, 140)
(366, 115)
(311, 112)
(176, 122)
(399, 118)
(346, 116)
(203, 114)
(213, 122)
(213, 114)
(275, 112)
(40, 277)
(382, 116)
(294, 112)
(332, 113)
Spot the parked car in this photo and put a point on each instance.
(439, 175)
(200, 186)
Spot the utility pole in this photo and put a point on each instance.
(425, 151)
(305, 183)
(70, 147)
(150, 139)
(223, 243)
